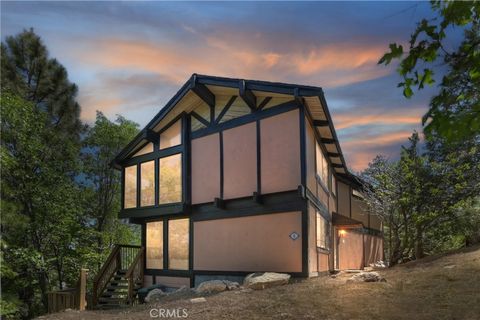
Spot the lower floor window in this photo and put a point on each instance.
(176, 249)
(323, 231)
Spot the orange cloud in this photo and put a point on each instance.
(343, 121)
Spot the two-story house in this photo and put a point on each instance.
(237, 176)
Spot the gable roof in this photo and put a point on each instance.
(201, 89)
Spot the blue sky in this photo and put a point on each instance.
(129, 58)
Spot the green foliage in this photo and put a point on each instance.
(59, 196)
(455, 111)
(428, 201)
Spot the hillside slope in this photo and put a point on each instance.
(446, 287)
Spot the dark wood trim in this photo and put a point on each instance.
(327, 141)
(139, 185)
(305, 223)
(318, 205)
(320, 123)
(168, 273)
(186, 160)
(264, 102)
(225, 109)
(122, 189)
(165, 244)
(240, 273)
(221, 164)
(281, 108)
(244, 207)
(259, 159)
(337, 165)
(333, 154)
(152, 136)
(152, 155)
(247, 95)
(203, 92)
(200, 118)
(157, 181)
(152, 211)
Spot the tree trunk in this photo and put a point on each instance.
(419, 250)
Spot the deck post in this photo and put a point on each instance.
(82, 290)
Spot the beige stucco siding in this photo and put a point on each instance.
(350, 251)
(254, 243)
(280, 152)
(312, 246)
(240, 161)
(373, 249)
(343, 199)
(358, 212)
(205, 169)
(310, 152)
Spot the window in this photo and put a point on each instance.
(144, 150)
(323, 231)
(334, 185)
(172, 136)
(130, 191)
(154, 244)
(171, 179)
(147, 193)
(322, 164)
(178, 244)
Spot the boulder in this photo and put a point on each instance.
(259, 280)
(211, 286)
(367, 277)
(198, 300)
(231, 285)
(154, 295)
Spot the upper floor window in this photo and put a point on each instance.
(130, 195)
(147, 184)
(322, 232)
(172, 136)
(334, 185)
(171, 179)
(322, 164)
(144, 150)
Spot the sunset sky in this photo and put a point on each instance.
(129, 58)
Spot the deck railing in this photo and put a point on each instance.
(122, 258)
(69, 298)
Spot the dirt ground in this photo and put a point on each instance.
(446, 287)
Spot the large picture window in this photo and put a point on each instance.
(154, 239)
(147, 193)
(178, 244)
(322, 165)
(323, 231)
(171, 179)
(130, 191)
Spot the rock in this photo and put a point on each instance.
(367, 277)
(154, 295)
(378, 264)
(231, 285)
(451, 266)
(258, 281)
(198, 300)
(211, 286)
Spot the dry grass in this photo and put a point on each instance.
(446, 287)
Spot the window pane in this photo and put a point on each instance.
(178, 244)
(334, 185)
(322, 231)
(147, 193)
(155, 245)
(171, 179)
(172, 136)
(146, 149)
(325, 170)
(130, 195)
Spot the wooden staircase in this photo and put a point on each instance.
(119, 279)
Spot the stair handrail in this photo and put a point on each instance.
(101, 275)
(137, 265)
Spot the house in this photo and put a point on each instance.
(236, 176)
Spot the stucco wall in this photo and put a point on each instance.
(254, 243)
(343, 199)
(373, 249)
(310, 152)
(205, 168)
(240, 161)
(350, 250)
(280, 152)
